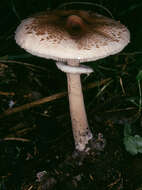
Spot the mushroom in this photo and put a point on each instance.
(71, 37)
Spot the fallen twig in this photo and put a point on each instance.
(47, 99)
(15, 139)
(32, 104)
(21, 63)
(7, 93)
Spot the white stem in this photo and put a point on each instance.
(81, 131)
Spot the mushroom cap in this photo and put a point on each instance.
(71, 35)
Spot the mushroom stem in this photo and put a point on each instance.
(81, 131)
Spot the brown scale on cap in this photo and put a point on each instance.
(75, 23)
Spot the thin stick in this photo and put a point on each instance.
(47, 99)
(21, 63)
(16, 139)
(30, 188)
(33, 104)
(122, 87)
(7, 93)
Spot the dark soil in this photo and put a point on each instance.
(40, 139)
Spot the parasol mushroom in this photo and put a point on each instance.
(71, 37)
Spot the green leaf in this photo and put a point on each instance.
(138, 140)
(130, 145)
(139, 75)
(133, 144)
(127, 130)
